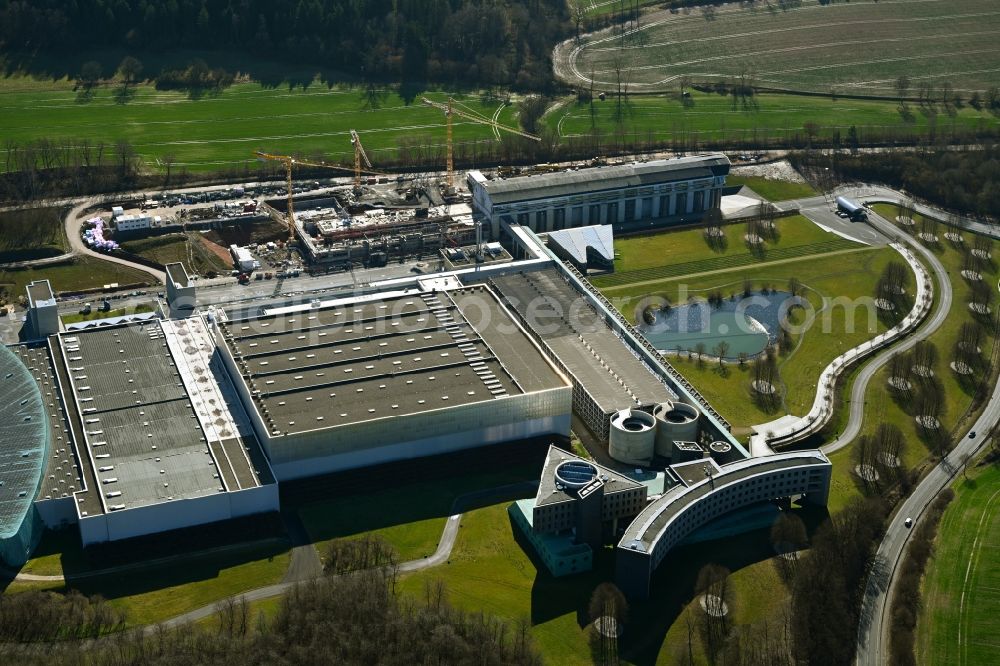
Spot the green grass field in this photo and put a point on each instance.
(646, 259)
(883, 407)
(960, 618)
(490, 570)
(75, 275)
(773, 190)
(157, 592)
(223, 131)
(711, 117)
(32, 233)
(852, 47)
(411, 517)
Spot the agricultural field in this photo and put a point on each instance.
(858, 47)
(960, 617)
(710, 117)
(221, 131)
(32, 233)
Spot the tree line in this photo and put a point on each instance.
(506, 42)
(967, 181)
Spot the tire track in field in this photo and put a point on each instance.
(195, 121)
(815, 26)
(920, 78)
(803, 48)
(963, 643)
(572, 58)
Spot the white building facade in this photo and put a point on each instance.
(628, 196)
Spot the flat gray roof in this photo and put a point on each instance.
(592, 179)
(321, 368)
(39, 291)
(138, 417)
(177, 274)
(582, 340)
(648, 525)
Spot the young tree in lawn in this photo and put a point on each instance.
(129, 70)
(721, 350)
(608, 606)
(90, 74)
(716, 599)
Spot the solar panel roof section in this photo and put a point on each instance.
(143, 436)
(566, 183)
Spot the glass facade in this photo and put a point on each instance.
(24, 444)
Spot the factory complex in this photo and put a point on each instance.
(131, 428)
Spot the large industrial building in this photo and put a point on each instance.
(135, 431)
(629, 197)
(133, 428)
(416, 372)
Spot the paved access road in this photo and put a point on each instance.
(873, 632)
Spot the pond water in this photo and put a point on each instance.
(747, 324)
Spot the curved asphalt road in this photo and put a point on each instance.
(855, 420)
(74, 222)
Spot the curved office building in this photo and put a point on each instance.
(24, 443)
(705, 492)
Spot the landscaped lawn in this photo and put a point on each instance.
(160, 591)
(773, 190)
(490, 570)
(849, 273)
(409, 516)
(666, 254)
(960, 618)
(78, 274)
(157, 593)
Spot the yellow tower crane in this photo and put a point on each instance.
(359, 156)
(450, 109)
(289, 162)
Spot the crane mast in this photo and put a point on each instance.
(359, 157)
(450, 110)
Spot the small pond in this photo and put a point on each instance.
(747, 324)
